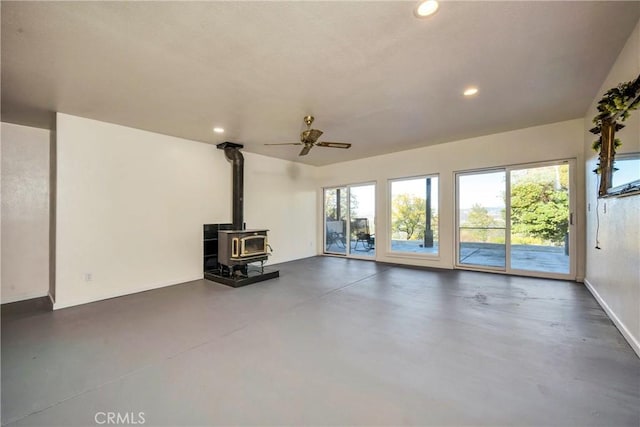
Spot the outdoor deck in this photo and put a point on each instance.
(550, 259)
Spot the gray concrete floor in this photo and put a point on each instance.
(332, 341)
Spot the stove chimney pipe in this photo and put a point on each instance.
(233, 154)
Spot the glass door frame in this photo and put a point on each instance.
(571, 275)
(348, 253)
(324, 221)
(457, 263)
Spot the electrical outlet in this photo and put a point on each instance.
(88, 277)
(588, 207)
(605, 208)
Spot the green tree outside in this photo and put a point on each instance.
(408, 215)
(539, 210)
(435, 221)
(479, 217)
(330, 206)
(540, 205)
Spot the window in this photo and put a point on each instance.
(626, 174)
(414, 215)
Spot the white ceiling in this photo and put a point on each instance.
(371, 73)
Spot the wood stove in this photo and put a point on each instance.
(242, 246)
(230, 249)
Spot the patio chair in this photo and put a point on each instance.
(335, 234)
(360, 229)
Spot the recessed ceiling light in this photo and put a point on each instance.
(470, 91)
(426, 8)
(218, 130)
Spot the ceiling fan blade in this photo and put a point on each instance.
(287, 143)
(333, 144)
(305, 150)
(311, 135)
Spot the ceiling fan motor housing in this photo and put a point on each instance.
(310, 136)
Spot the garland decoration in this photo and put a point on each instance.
(615, 106)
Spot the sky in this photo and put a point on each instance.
(366, 197)
(628, 171)
(485, 189)
(416, 187)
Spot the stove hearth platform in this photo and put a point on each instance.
(253, 275)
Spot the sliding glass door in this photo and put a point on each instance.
(540, 219)
(336, 212)
(349, 214)
(481, 220)
(516, 219)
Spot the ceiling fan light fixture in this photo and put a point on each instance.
(218, 130)
(426, 8)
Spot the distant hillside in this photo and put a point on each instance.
(494, 212)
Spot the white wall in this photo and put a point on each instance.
(25, 212)
(613, 271)
(131, 204)
(562, 140)
(281, 196)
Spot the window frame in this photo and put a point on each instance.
(404, 254)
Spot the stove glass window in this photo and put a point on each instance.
(253, 245)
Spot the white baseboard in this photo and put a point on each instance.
(633, 341)
(23, 297)
(65, 304)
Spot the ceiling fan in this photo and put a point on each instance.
(309, 137)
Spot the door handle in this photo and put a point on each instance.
(571, 218)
